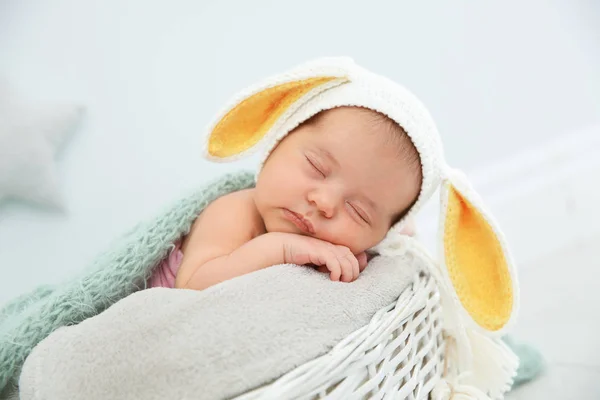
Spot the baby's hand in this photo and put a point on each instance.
(338, 260)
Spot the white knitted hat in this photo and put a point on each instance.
(476, 266)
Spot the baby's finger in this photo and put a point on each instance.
(347, 268)
(347, 261)
(355, 267)
(362, 261)
(333, 265)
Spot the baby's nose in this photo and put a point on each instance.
(326, 207)
(325, 202)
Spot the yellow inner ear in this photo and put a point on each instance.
(244, 126)
(476, 264)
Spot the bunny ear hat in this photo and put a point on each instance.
(475, 272)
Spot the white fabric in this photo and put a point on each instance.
(30, 136)
(211, 344)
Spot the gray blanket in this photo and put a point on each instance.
(212, 344)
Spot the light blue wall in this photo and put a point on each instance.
(497, 76)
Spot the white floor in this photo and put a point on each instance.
(560, 314)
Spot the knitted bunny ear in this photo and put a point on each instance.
(476, 257)
(258, 112)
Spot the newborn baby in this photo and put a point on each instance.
(328, 192)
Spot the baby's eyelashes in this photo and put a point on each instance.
(358, 212)
(316, 166)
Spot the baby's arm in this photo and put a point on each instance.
(220, 247)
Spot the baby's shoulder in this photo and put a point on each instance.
(242, 200)
(238, 208)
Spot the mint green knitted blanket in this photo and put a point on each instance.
(115, 274)
(120, 271)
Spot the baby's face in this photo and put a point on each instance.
(340, 177)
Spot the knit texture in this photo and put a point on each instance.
(531, 361)
(118, 272)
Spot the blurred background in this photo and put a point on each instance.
(514, 88)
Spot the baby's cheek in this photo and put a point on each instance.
(355, 241)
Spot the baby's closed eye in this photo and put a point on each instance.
(358, 211)
(316, 166)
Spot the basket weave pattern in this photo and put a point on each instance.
(398, 355)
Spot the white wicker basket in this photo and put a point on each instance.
(398, 355)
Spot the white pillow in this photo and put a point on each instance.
(30, 136)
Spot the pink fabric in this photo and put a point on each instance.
(165, 273)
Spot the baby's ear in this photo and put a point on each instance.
(476, 257)
(259, 111)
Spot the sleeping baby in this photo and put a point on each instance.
(330, 190)
(348, 158)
